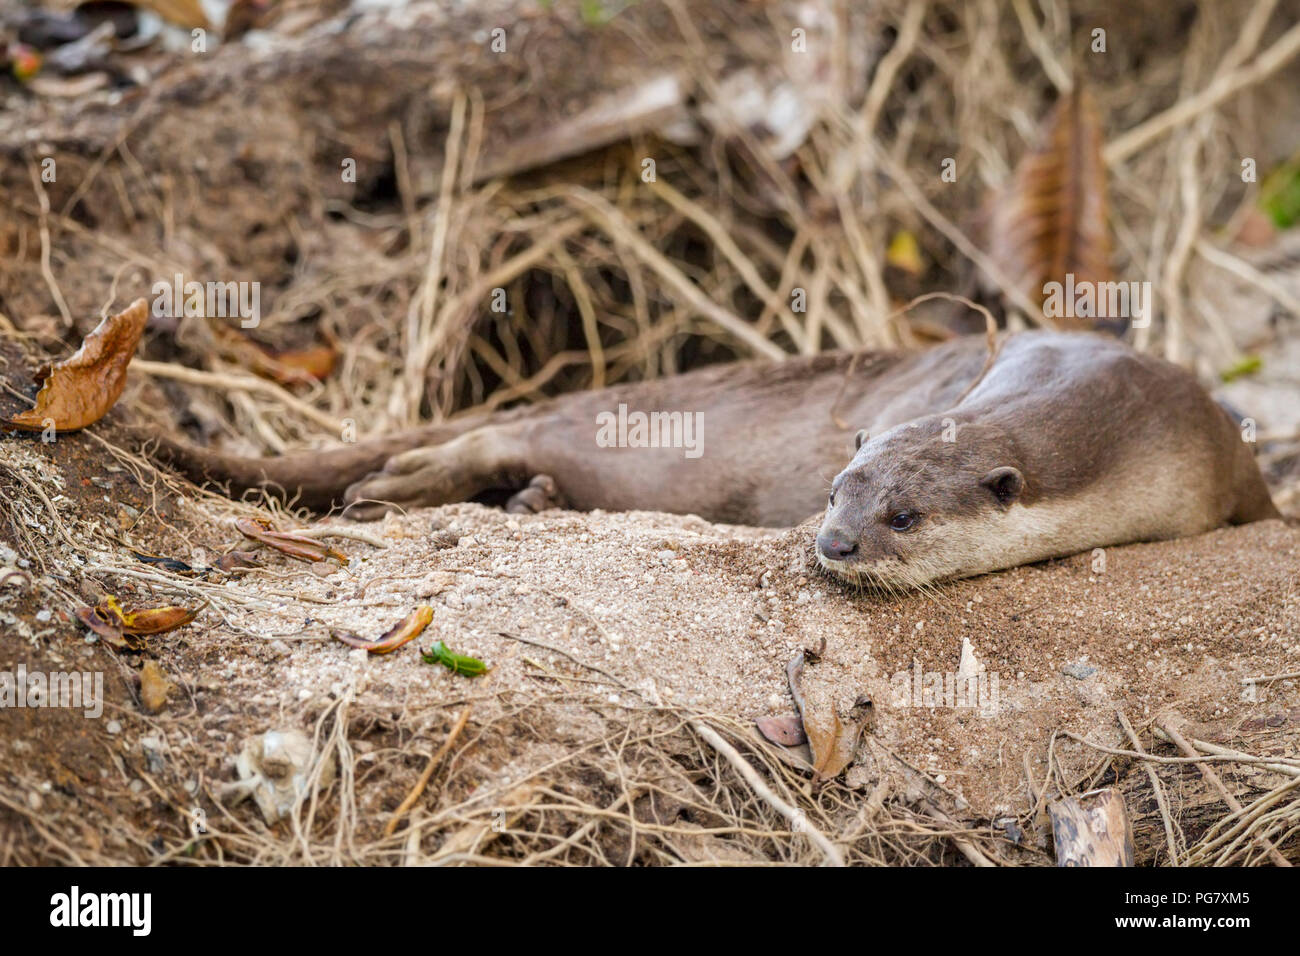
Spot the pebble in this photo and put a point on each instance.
(1078, 670)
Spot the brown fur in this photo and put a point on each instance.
(1074, 408)
(1070, 442)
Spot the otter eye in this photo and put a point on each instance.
(902, 521)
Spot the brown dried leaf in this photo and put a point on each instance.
(832, 741)
(289, 367)
(409, 628)
(93, 619)
(184, 13)
(147, 620)
(305, 549)
(82, 388)
(236, 561)
(1051, 219)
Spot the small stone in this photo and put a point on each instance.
(1079, 670)
(113, 727)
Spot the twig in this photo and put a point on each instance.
(423, 782)
(337, 531)
(1269, 679)
(939, 221)
(244, 383)
(1156, 787)
(1247, 272)
(47, 272)
(613, 222)
(1208, 773)
(797, 820)
(1041, 48)
(1214, 753)
(1271, 60)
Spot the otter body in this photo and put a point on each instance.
(1092, 444)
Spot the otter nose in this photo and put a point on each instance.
(833, 545)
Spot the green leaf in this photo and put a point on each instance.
(1279, 195)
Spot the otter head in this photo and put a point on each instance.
(921, 503)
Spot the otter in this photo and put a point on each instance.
(1065, 441)
(1069, 442)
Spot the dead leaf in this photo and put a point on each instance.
(288, 367)
(154, 687)
(82, 388)
(100, 625)
(119, 627)
(1051, 219)
(184, 13)
(236, 561)
(407, 629)
(159, 561)
(904, 253)
(833, 741)
(286, 542)
(296, 365)
(149, 620)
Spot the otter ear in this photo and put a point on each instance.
(1006, 483)
(860, 438)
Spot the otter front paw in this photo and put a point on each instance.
(541, 493)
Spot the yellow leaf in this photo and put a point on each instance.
(905, 253)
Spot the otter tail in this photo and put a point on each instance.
(312, 479)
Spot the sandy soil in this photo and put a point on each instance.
(673, 607)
